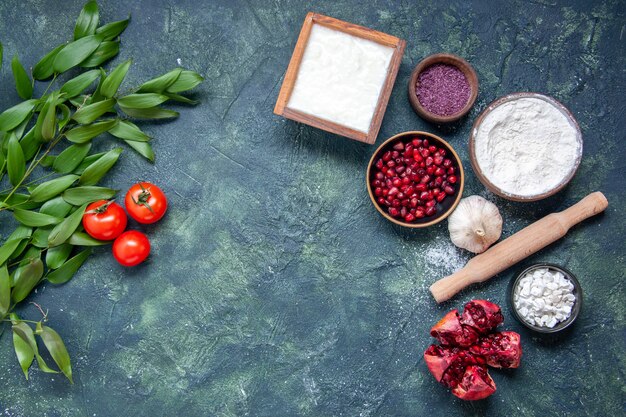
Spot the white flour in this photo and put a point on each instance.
(526, 146)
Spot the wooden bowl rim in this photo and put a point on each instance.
(450, 59)
(483, 178)
(441, 216)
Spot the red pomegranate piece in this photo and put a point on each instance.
(500, 350)
(451, 332)
(468, 345)
(475, 384)
(482, 315)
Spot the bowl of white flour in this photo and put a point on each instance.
(525, 146)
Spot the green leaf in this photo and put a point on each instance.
(48, 161)
(30, 255)
(29, 144)
(141, 100)
(103, 53)
(25, 279)
(56, 256)
(91, 112)
(23, 84)
(87, 21)
(129, 131)
(34, 219)
(78, 84)
(94, 172)
(48, 128)
(88, 161)
(22, 333)
(97, 95)
(114, 79)
(142, 148)
(71, 157)
(5, 291)
(66, 271)
(43, 69)
(18, 200)
(83, 134)
(83, 239)
(64, 230)
(186, 81)
(46, 190)
(181, 99)
(56, 347)
(13, 116)
(40, 237)
(152, 113)
(16, 165)
(87, 194)
(8, 248)
(111, 30)
(76, 52)
(65, 115)
(57, 207)
(161, 83)
(26, 334)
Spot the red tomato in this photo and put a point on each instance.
(131, 248)
(104, 220)
(145, 202)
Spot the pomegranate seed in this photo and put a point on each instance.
(430, 211)
(425, 143)
(395, 203)
(438, 160)
(429, 161)
(396, 182)
(400, 169)
(447, 163)
(419, 214)
(382, 201)
(425, 179)
(420, 187)
(406, 180)
(398, 146)
(409, 218)
(393, 191)
(387, 156)
(385, 192)
(380, 176)
(451, 170)
(448, 190)
(452, 179)
(408, 147)
(389, 183)
(391, 163)
(403, 212)
(391, 172)
(425, 153)
(417, 142)
(399, 160)
(442, 152)
(435, 191)
(395, 154)
(432, 148)
(400, 195)
(379, 164)
(378, 191)
(384, 169)
(393, 212)
(438, 181)
(440, 171)
(409, 190)
(405, 202)
(425, 196)
(413, 202)
(441, 197)
(431, 203)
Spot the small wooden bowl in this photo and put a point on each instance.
(448, 59)
(446, 207)
(483, 178)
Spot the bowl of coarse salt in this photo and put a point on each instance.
(546, 298)
(525, 147)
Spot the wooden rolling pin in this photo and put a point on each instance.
(518, 246)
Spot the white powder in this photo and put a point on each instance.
(544, 297)
(527, 146)
(340, 78)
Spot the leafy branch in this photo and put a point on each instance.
(55, 132)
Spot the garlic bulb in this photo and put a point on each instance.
(475, 224)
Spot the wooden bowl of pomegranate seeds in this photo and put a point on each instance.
(415, 179)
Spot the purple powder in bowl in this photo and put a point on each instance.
(443, 89)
